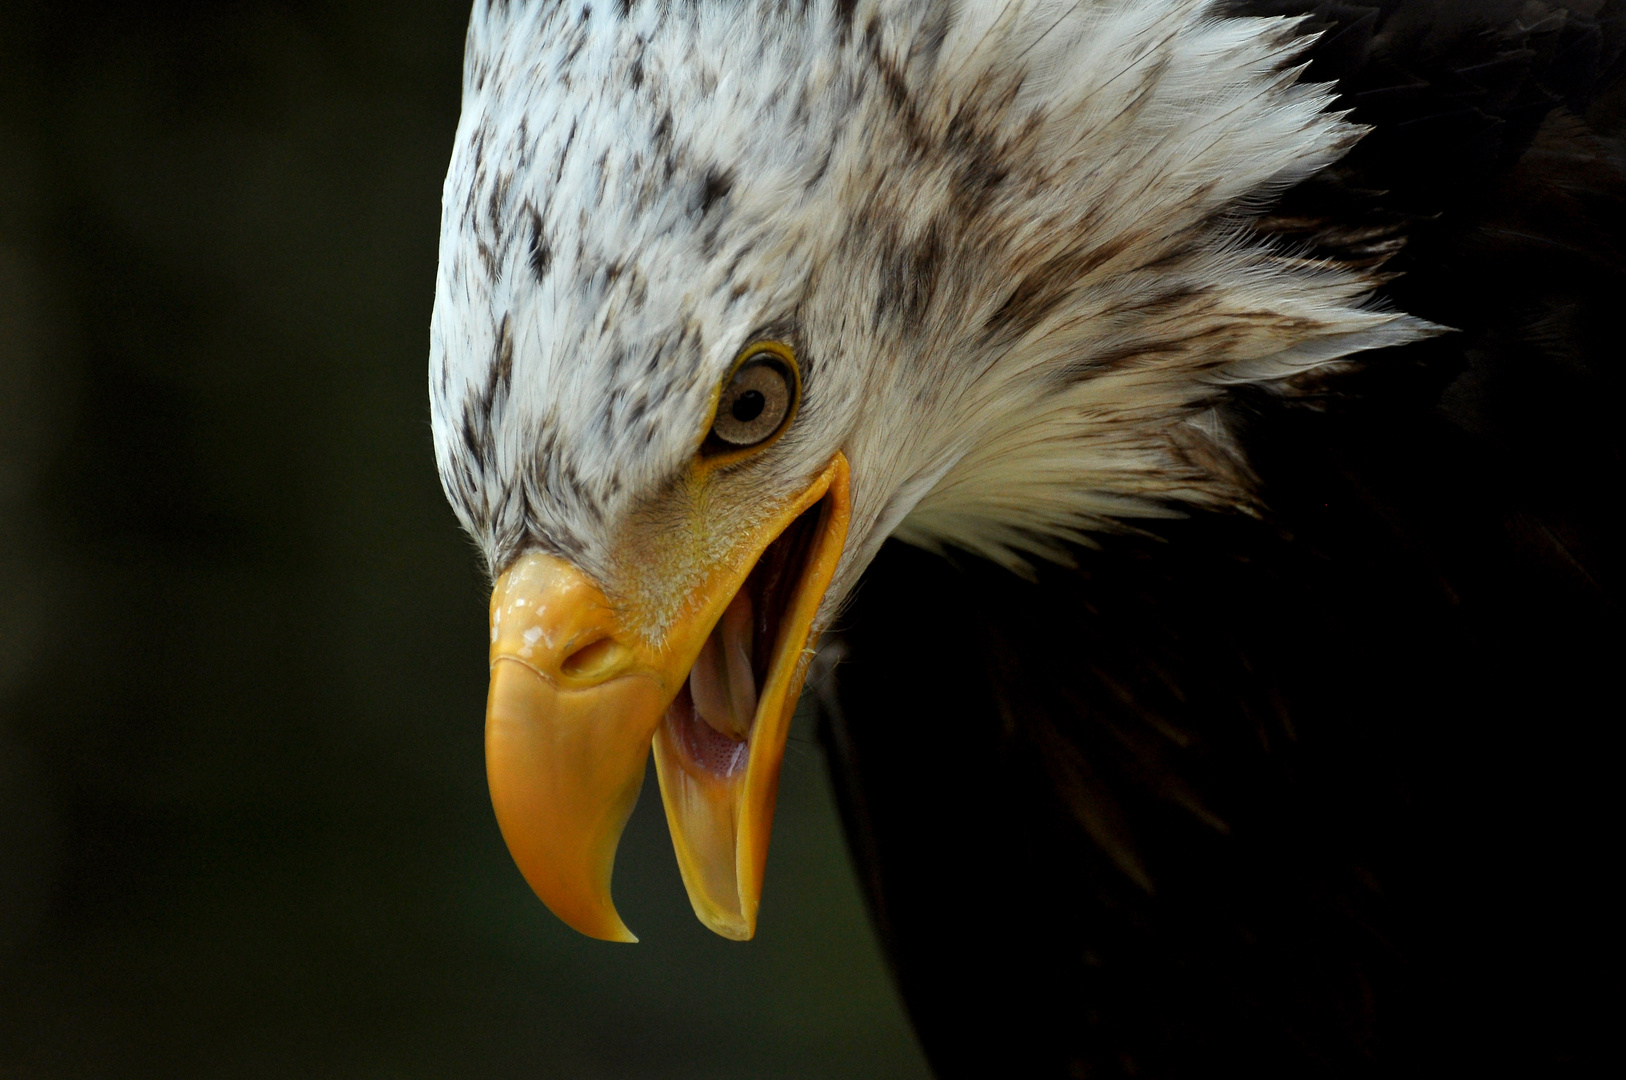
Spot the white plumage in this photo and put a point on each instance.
(1009, 240)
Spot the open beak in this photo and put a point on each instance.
(577, 700)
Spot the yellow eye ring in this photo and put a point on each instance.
(753, 405)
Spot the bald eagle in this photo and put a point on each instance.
(1176, 440)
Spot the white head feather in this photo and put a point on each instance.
(1009, 240)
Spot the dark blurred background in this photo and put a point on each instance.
(244, 830)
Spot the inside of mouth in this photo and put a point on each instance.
(712, 733)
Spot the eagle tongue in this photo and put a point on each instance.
(722, 682)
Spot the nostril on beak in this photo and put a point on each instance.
(596, 660)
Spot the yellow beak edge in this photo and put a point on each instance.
(577, 700)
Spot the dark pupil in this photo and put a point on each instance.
(748, 406)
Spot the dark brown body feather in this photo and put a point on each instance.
(1326, 792)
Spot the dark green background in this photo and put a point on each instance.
(244, 829)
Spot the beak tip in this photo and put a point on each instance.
(613, 929)
(599, 920)
(620, 935)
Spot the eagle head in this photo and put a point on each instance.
(729, 293)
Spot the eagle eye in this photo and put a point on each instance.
(756, 402)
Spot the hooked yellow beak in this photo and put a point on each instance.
(577, 700)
